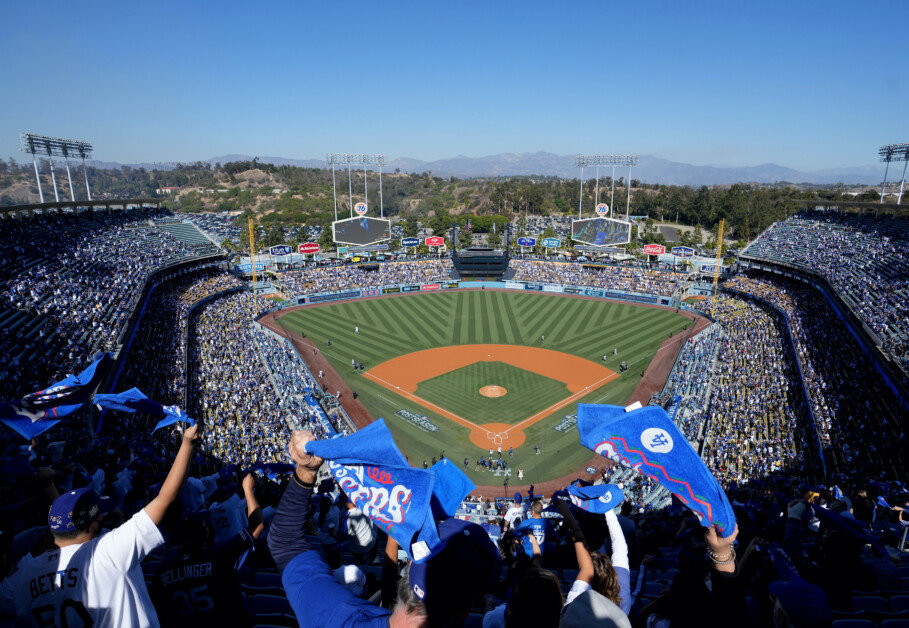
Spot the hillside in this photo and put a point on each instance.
(293, 195)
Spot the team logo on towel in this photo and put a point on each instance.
(656, 440)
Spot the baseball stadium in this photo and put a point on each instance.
(283, 438)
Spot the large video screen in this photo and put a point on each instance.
(361, 231)
(601, 231)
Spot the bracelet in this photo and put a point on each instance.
(301, 483)
(727, 559)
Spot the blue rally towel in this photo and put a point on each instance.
(882, 502)
(398, 498)
(598, 499)
(39, 411)
(31, 423)
(649, 442)
(449, 489)
(72, 390)
(133, 400)
(271, 469)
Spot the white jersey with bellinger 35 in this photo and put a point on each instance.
(98, 583)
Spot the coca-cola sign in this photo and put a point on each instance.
(654, 249)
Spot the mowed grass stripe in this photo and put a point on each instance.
(564, 318)
(509, 306)
(539, 314)
(527, 310)
(458, 320)
(427, 312)
(386, 312)
(505, 332)
(421, 330)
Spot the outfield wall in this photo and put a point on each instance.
(587, 291)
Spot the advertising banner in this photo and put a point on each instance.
(435, 241)
(551, 243)
(281, 249)
(390, 290)
(430, 286)
(308, 248)
(410, 289)
(410, 242)
(654, 249)
(350, 294)
(527, 241)
(552, 288)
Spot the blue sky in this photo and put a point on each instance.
(808, 85)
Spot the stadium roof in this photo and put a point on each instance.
(111, 202)
(900, 210)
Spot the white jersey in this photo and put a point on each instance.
(228, 518)
(97, 583)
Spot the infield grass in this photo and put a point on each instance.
(390, 327)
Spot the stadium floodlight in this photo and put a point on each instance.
(894, 152)
(582, 161)
(47, 146)
(356, 159)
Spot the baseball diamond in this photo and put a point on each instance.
(432, 354)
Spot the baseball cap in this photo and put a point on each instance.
(466, 554)
(804, 602)
(75, 510)
(518, 499)
(593, 609)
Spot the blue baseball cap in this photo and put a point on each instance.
(75, 510)
(466, 554)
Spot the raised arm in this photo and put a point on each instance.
(175, 477)
(585, 563)
(619, 545)
(255, 523)
(287, 536)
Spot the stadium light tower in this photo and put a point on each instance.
(894, 152)
(356, 159)
(606, 160)
(55, 147)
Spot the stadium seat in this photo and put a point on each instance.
(268, 605)
(895, 623)
(267, 579)
(899, 602)
(853, 623)
(869, 603)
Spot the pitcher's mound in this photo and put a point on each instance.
(493, 391)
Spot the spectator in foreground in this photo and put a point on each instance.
(92, 579)
(438, 592)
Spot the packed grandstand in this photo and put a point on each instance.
(794, 397)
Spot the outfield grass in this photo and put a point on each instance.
(396, 326)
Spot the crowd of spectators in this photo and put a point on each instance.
(233, 393)
(67, 286)
(628, 278)
(865, 258)
(856, 414)
(690, 382)
(756, 422)
(329, 278)
(647, 566)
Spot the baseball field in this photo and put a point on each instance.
(464, 371)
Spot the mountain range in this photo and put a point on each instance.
(650, 169)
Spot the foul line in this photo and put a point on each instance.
(519, 426)
(426, 404)
(564, 402)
